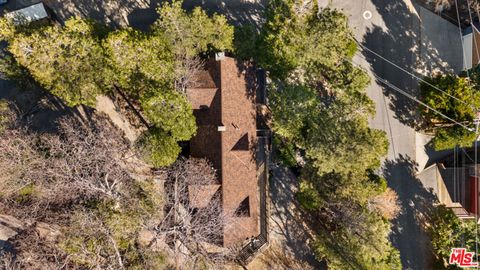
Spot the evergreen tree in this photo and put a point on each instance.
(448, 231)
(193, 33)
(137, 57)
(68, 61)
(158, 148)
(320, 106)
(458, 100)
(170, 111)
(310, 41)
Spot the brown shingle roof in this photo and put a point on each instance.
(231, 152)
(200, 195)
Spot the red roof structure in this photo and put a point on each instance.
(224, 106)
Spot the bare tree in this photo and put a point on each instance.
(53, 170)
(90, 157)
(48, 178)
(194, 222)
(475, 6)
(386, 204)
(186, 72)
(36, 252)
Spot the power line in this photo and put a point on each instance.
(413, 75)
(394, 87)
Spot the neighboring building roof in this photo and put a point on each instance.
(28, 14)
(226, 135)
(454, 187)
(471, 45)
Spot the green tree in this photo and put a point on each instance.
(333, 136)
(309, 41)
(335, 141)
(11, 70)
(135, 57)
(449, 137)
(79, 61)
(245, 42)
(158, 148)
(351, 235)
(448, 231)
(170, 111)
(192, 33)
(7, 29)
(292, 108)
(319, 105)
(462, 108)
(68, 61)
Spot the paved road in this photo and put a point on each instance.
(420, 42)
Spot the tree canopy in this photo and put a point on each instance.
(68, 61)
(308, 40)
(193, 33)
(319, 106)
(136, 57)
(448, 231)
(332, 136)
(171, 111)
(458, 100)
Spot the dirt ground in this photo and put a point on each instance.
(289, 236)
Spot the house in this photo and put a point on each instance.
(28, 14)
(224, 104)
(471, 46)
(455, 183)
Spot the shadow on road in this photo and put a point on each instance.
(237, 12)
(115, 13)
(408, 233)
(411, 38)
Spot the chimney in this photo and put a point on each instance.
(219, 56)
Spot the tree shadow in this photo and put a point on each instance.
(417, 41)
(142, 19)
(286, 222)
(115, 13)
(39, 110)
(409, 233)
(237, 12)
